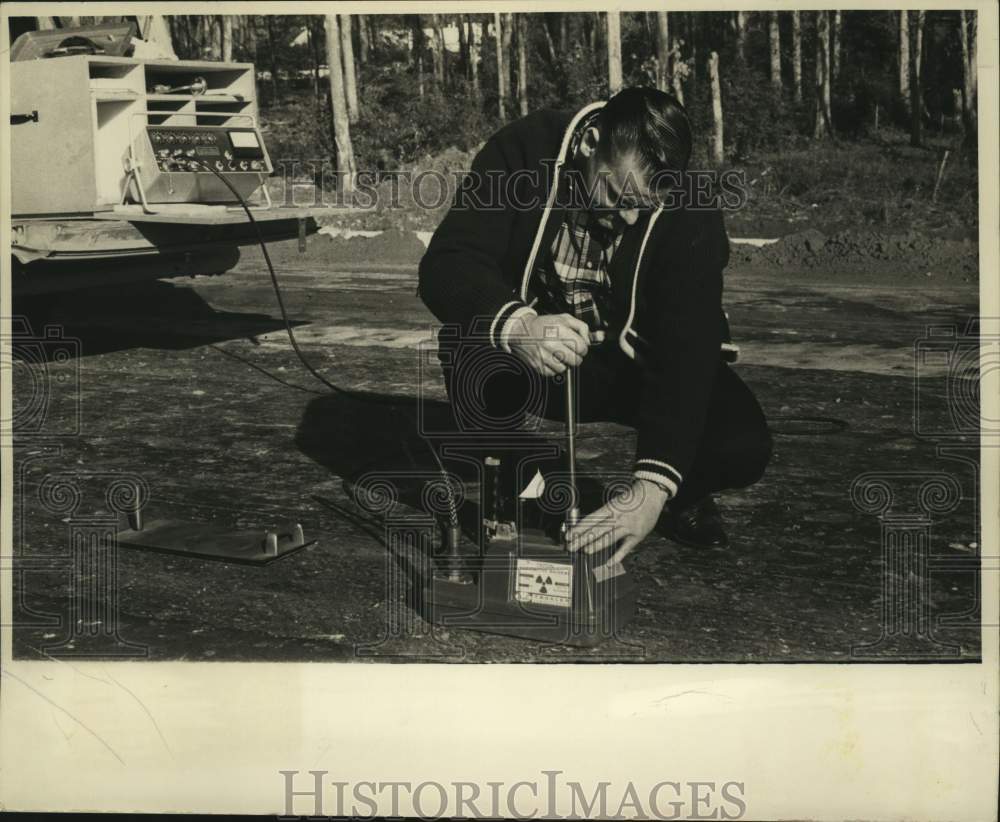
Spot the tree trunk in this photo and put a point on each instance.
(692, 43)
(373, 34)
(522, 64)
(973, 52)
(774, 42)
(227, 38)
(215, 36)
(274, 56)
(157, 31)
(438, 51)
(463, 45)
(238, 21)
(828, 75)
(717, 151)
(741, 36)
(508, 40)
(550, 45)
(416, 52)
(501, 36)
(821, 126)
(904, 59)
(250, 37)
(563, 33)
(675, 75)
(968, 74)
(916, 87)
(314, 48)
(662, 51)
(363, 45)
(614, 52)
(797, 56)
(835, 47)
(474, 58)
(350, 74)
(338, 99)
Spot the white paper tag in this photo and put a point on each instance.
(544, 583)
(535, 488)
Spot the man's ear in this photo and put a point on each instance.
(591, 140)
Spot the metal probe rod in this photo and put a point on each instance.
(573, 513)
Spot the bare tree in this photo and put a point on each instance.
(373, 33)
(693, 19)
(501, 63)
(614, 52)
(741, 36)
(249, 30)
(904, 58)
(774, 42)
(416, 50)
(662, 51)
(156, 30)
(797, 56)
(968, 70)
(213, 36)
(522, 64)
(463, 44)
(227, 38)
(676, 75)
(821, 126)
(341, 124)
(508, 41)
(836, 45)
(717, 151)
(363, 44)
(550, 45)
(314, 49)
(473, 57)
(274, 55)
(350, 75)
(438, 50)
(916, 87)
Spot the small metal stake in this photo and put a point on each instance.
(573, 513)
(135, 515)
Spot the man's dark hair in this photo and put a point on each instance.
(650, 123)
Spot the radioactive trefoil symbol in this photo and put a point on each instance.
(543, 583)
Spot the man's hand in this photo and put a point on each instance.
(628, 517)
(550, 343)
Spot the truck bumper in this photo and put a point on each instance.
(79, 252)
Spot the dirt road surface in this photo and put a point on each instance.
(191, 385)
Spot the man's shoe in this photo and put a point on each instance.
(698, 525)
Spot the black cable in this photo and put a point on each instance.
(360, 396)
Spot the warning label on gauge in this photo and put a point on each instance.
(544, 583)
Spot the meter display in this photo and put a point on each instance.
(179, 148)
(244, 139)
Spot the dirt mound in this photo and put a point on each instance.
(347, 249)
(902, 256)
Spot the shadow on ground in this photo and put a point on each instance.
(155, 314)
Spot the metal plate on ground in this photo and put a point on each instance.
(213, 541)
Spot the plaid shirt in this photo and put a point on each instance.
(573, 276)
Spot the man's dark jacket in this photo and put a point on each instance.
(668, 277)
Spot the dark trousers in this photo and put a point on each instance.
(490, 390)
